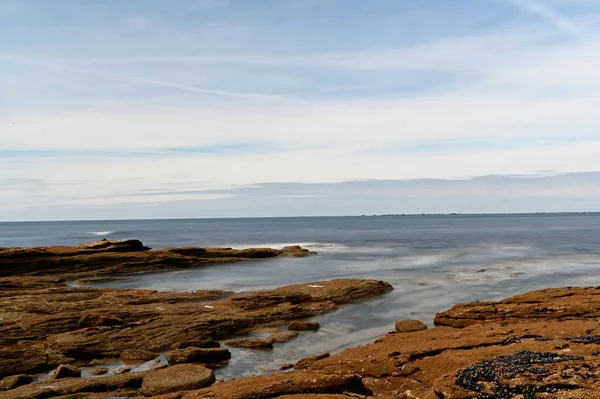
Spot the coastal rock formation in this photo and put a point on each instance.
(110, 257)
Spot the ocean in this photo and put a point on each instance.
(433, 262)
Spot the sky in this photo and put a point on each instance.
(217, 108)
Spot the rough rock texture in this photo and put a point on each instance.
(303, 325)
(137, 354)
(554, 354)
(124, 385)
(198, 343)
(99, 370)
(308, 361)
(183, 377)
(549, 304)
(404, 326)
(256, 343)
(15, 381)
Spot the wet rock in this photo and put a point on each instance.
(308, 361)
(283, 336)
(198, 355)
(256, 343)
(198, 343)
(15, 381)
(65, 371)
(137, 354)
(98, 370)
(405, 326)
(303, 326)
(297, 251)
(286, 366)
(96, 320)
(115, 245)
(182, 377)
(122, 370)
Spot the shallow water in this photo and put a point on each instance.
(432, 262)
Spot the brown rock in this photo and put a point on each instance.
(255, 343)
(122, 370)
(126, 385)
(198, 355)
(182, 377)
(406, 326)
(65, 371)
(96, 320)
(15, 381)
(308, 361)
(137, 354)
(284, 336)
(198, 343)
(303, 325)
(99, 370)
(19, 361)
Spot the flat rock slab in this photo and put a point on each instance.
(182, 377)
(198, 355)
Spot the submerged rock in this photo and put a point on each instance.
(256, 343)
(98, 370)
(303, 326)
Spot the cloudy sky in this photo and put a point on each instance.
(195, 108)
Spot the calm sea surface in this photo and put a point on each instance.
(433, 262)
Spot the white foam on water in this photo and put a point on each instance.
(99, 233)
(314, 246)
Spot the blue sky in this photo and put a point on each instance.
(103, 101)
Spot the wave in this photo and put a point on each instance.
(314, 246)
(99, 233)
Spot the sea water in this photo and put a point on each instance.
(433, 262)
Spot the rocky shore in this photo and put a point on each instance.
(544, 344)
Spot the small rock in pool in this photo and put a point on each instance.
(198, 343)
(303, 326)
(405, 326)
(254, 343)
(64, 371)
(100, 370)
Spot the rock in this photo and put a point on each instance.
(137, 354)
(284, 336)
(198, 343)
(308, 361)
(303, 326)
(20, 361)
(15, 381)
(65, 371)
(286, 366)
(182, 377)
(198, 355)
(97, 320)
(122, 370)
(115, 245)
(406, 326)
(255, 343)
(98, 370)
(126, 385)
(297, 251)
